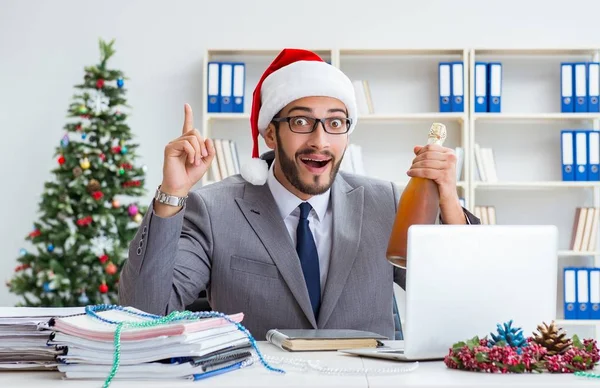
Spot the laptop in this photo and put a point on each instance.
(463, 280)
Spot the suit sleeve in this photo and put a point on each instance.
(399, 273)
(169, 260)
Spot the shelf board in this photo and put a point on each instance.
(259, 51)
(578, 322)
(432, 116)
(403, 51)
(534, 185)
(535, 116)
(578, 253)
(536, 51)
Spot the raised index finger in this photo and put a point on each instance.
(188, 123)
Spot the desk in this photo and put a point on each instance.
(428, 374)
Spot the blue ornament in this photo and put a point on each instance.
(120, 83)
(50, 247)
(65, 141)
(83, 299)
(123, 150)
(83, 136)
(47, 287)
(23, 251)
(509, 336)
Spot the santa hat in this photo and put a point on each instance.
(292, 75)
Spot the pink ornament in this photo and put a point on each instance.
(133, 210)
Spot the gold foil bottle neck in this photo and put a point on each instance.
(437, 134)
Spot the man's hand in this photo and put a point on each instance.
(438, 164)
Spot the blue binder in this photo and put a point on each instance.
(213, 92)
(458, 87)
(481, 101)
(566, 87)
(570, 293)
(593, 155)
(580, 82)
(581, 155)
(239, 82)
(583, 293)
(226, 87)
(593, 77)
(567, 152)
(595, 293)
(494, 87)
(445, 86)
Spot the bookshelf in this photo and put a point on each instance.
(403, 83)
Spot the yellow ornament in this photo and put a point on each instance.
(84, 163)
(137, 218)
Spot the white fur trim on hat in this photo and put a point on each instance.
(255, 171)
(304, 79)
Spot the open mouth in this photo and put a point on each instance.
(315, 164)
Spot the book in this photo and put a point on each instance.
(323, 339)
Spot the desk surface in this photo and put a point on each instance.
(427, 374)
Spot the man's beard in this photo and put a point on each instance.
(290, 170)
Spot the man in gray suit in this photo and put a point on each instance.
(291, 242)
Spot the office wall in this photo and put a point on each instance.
(45, 45)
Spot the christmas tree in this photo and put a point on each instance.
(87, 213)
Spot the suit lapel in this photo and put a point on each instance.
(347, 213)
(260, 210)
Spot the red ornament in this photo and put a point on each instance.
(78, 127)
(103, 259)
(100, 83)
(97, 195)
(61, 160)
(85, 221)
(111, 269)
(116, 149)
(127, 166)
(35, 233)
(102, 157)
(103, 288)
(131, 183)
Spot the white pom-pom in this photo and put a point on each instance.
(255, 171)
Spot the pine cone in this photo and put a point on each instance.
(552, 338)
(94, 185)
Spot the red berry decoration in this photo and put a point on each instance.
(103, 288)
(100, 83)
(103, 259)
(97, 195)
(61, 160)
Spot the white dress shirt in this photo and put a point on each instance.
(320, 219)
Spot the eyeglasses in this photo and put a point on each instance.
(304, 124)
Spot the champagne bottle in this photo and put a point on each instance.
(419, 204)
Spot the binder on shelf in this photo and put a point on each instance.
(593, 155)
(594, 293)
(495, 87)
(583, 293)
(239, 81)
(481, 103)
(226, 87)
(213, 92)
(445, 86)
(593, 78)
(581, 155)
(567, 145)
(458, 87)
(580, 78)
(566, 88)
(570, 294)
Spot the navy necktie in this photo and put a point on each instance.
(309, 258)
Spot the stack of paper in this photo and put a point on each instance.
(24, 334)
(183, 349)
